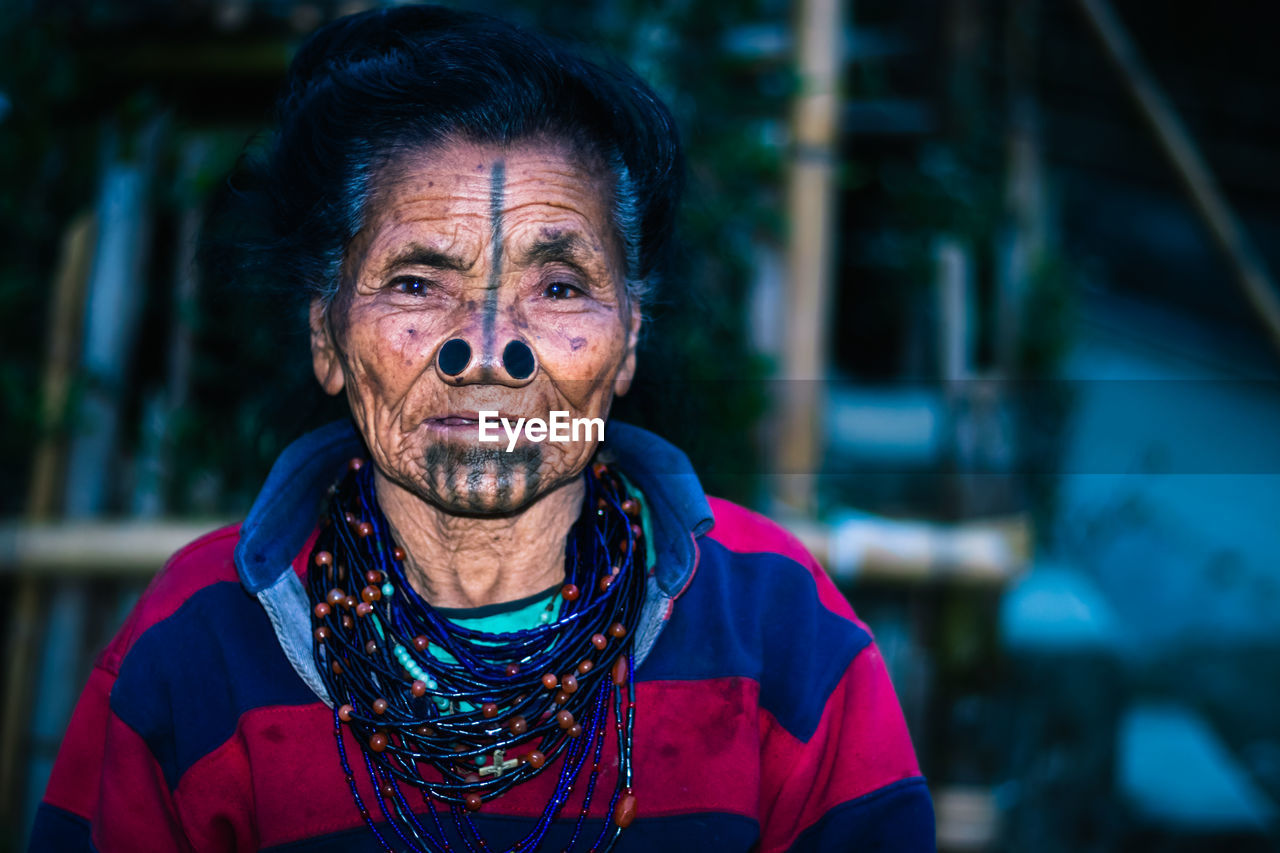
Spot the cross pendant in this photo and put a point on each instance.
(498, 767)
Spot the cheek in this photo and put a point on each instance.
(583, 358)
(389, 351)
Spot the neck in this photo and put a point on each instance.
(467, 561)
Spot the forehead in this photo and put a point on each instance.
(459, 195)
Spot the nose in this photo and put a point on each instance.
(458, 363)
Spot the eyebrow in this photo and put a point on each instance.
(424, 256)
(566, 248)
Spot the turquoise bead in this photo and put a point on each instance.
(388, 589)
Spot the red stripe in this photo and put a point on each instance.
(133, 812)
(73, 785)
(860, 745)
(696, 749)
(745, 532)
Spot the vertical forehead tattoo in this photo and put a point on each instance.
(497, 187)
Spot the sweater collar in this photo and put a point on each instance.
(287, 509)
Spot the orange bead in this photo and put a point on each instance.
(322, 634)
(373, 576)
(569, 683)
(364, 529)
(336, 667)
(535, 759)
(606, 582)
(349, 602)
(336, 597)
(489, 710)
(630, 507)
(570, 592)
(619, 672)
(321, 610)
(625, 811)
(420, 643)
(517, 725)
(388, 790)
(371, 593)
(356, 463)
(584, 667)
(574, 730)
(344, 713)
(364, 608)
(473, 801)
(599, 641)
(348, 622)
(397, 553)
(561, 697)
(616, 630)
(564, 719)
(550, 681)
(379, 706)
(378, 742)
(324, 558)
(418, 688)
(513, 669)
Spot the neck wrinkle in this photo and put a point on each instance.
(467, 561)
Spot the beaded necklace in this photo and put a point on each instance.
(419, 692)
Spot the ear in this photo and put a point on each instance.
(324, 352)
(622, 384)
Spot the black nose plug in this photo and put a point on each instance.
(454, 356)
(517, 358)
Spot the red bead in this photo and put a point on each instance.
(335, 597)
(630, 507)
(513, 669)
(599, 469)
(637, 531)
(535, 759)
(606, 582)
(420, 643)
(517, 725)
(574, 730)
(364, 529)
(388, 790)
(349, 602)
(373, 576)
(584, 666)
(378, 742)
(344, 713)
(371, 646)
(561, 697)
(619, 672)
(473, 801)
(323, 558)
(418, 688)
(625, 811)
(379, 706)
(599, 641)
(616, 630)
(371, 593)
(397, 554)
(364, 608)
(356, 463)
(322, 634)
(550, 681)
(321, 610)
(569, 592)
(569, 683)
(489, 710)
(348, 622)
(564, 719)
(336, 667)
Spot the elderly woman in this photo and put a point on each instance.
(462, 621)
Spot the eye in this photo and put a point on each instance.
(412, 285)
(562, 290)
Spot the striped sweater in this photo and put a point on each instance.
(765, 718)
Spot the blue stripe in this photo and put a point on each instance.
(59, 831)
(187, 679)
(696, 833)
(897, 818)
(758, 616)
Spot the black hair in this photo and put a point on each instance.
(373, 85)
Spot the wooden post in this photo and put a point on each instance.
(1206, 195)
(810, 214)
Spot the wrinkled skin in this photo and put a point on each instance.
(490, 245)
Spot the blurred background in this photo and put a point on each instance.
(979, 297)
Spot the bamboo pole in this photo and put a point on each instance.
(810, 214)
(1247, 264)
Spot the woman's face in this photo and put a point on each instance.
(488, 245)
